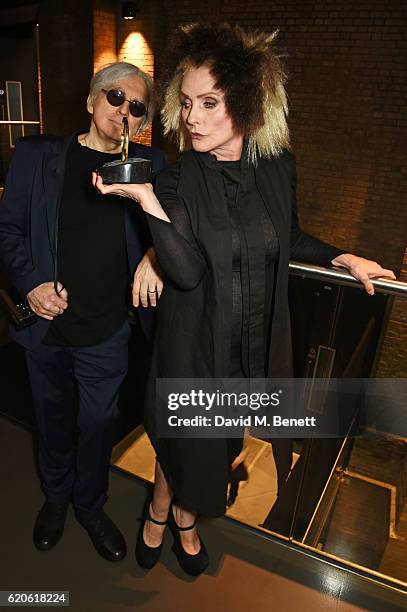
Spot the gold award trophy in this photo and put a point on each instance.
(133, 170)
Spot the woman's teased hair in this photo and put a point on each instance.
(108, 76)
(246, 69)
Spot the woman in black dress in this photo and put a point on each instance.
(224, 224)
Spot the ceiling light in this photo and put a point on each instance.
(130, 10)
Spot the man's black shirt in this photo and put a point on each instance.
(92, 257)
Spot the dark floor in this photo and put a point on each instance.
(247, 572)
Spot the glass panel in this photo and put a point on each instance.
(344, 496)
(353, 501)
(15, 109)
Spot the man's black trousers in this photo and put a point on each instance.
(74, 448)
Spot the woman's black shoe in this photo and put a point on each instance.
(147, 556)
(193, 565)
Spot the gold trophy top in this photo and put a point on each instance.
(133, 170)
(125, 139)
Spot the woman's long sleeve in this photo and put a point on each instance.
(303, 246)
(178, 253)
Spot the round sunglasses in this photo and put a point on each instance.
(116, 97)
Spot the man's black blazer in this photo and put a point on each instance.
(28, 219)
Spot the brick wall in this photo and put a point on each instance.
(66, 63)
(393, 355)
(104, 32)
(347, 92)
(135, 44)
(346, 62)
(132, 41)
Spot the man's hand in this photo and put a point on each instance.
(363, 269)
(45, 302)
(147, 281)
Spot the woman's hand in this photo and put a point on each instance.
(139, 192)
(136, 191)
(363, 269)
(147, 281)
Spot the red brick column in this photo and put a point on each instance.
(136, 42)
(104, 32)
(65, 37)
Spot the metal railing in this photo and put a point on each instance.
(2, 122)
(342, 277)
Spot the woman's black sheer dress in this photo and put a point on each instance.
(190, 263)
(255, 251)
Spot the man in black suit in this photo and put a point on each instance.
(72, 255)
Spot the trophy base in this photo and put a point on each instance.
(133, 170)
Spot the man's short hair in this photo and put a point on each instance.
(108, 77)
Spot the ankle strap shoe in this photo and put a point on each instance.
(193, 565)
(147, 556)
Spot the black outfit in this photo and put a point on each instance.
(254, 250)
(224, 308)
(89, 340)
(49, 195)
(70, 470)
(92, 257)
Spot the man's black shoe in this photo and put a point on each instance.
(105, 536)
(49, 525)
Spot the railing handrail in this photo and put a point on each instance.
(19, 122)
(342, 277)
